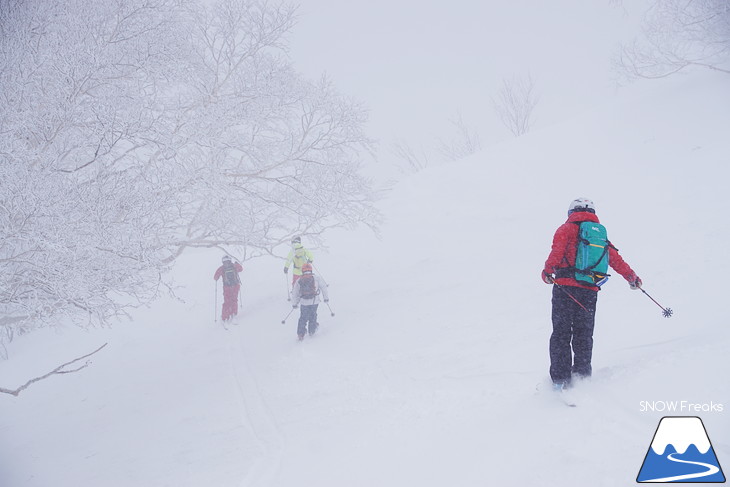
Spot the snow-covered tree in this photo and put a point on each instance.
(134, 129)
(79, 113)
(677, 34)
(281, 153)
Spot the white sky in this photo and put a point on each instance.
(415, 64)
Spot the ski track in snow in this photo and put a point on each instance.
(257, 415)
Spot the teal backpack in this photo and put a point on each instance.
(591, 259)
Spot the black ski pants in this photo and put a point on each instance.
(572, 325)
(308, 316)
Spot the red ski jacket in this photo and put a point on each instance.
(564, 251)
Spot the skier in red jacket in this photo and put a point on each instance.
(231, 285)
(573, 300)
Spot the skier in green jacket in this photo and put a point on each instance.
(298, 256)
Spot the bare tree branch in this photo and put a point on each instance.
(58, 370)
(465, 143)
(515, 103)
(414, 161)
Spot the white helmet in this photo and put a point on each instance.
(581, 204)
(226, 258)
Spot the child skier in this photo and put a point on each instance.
(231, 285)
(307, 290)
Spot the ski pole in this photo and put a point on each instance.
(288, 291)
(571, 296)
(328, 305)
(666, 312)
(215, 308)
(287, 316)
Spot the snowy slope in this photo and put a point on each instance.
(427, 373)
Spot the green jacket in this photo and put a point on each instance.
(298, 256)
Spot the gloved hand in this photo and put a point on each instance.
(547, 277)
(286, 270)
(635, 283)
(295, 306)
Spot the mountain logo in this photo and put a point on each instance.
(681, 452)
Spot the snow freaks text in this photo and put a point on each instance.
(688, 407)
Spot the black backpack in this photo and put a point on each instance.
(307, 287)
(230, 275)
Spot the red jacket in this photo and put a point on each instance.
(564, 250)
